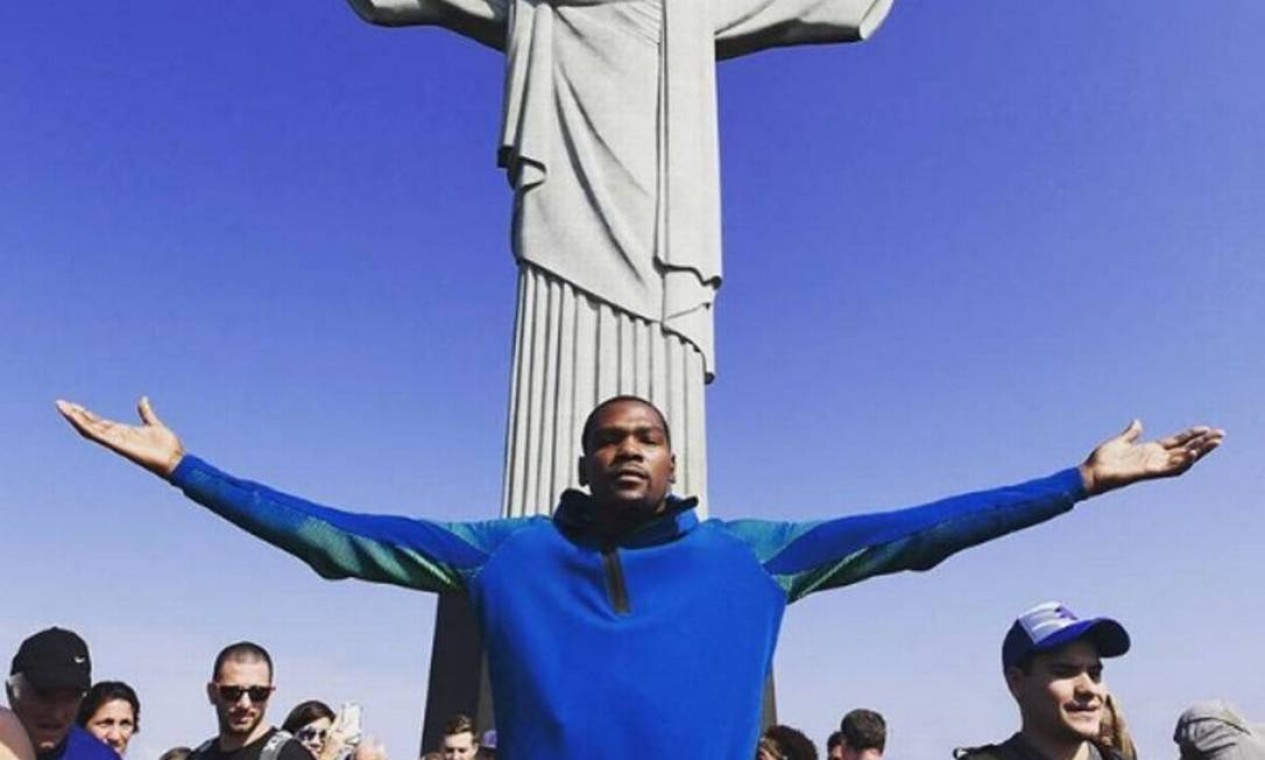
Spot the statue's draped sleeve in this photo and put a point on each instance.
(747, 26)
(486, 21)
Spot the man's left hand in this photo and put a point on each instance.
(1122, 460)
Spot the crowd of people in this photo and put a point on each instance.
(1051, 664)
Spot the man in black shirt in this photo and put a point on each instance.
(240, 687)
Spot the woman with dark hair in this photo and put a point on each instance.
(310, 722)
(112, 713)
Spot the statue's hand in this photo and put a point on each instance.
(152, 444)
(1121, 460)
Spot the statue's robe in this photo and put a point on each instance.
(609, 133)
(609, 139)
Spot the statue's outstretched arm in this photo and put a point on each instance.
(484, 21)
(748, 26)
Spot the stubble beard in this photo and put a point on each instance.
(241, 731)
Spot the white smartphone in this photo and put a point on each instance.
(349, 720)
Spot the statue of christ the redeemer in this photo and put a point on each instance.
(609, 139)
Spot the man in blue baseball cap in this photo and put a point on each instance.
(1052, 661)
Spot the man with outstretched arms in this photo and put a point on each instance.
(623, 626)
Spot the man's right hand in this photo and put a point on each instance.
(152, 444)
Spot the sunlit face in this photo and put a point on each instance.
(46, 715)
(835, 753)
(114, 722)
(240, 716)
(460, 746)
(628, 463)
(1061, 699)
(313, 735)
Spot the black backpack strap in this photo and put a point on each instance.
(272, 749)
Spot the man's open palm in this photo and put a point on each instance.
(1122, 460)
(151, 444)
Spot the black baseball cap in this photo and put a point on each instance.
(54, 659)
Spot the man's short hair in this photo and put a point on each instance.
(591, 420)
(790, 743)
(864, 729)
(834, 740)
(242, 651)
(460, 724)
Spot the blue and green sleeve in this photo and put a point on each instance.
(420, 554)
(804, 557)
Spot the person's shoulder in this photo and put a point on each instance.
(982, 752)
(205, 750)
(1007, 750)
(82, 745)
(278, 743)
(291, 749)
(14, 744)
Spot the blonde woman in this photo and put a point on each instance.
(1113, 731)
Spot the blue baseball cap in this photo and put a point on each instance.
(1051, 625)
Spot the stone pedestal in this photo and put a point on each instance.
(458, 672)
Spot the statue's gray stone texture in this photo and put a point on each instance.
(609, 140)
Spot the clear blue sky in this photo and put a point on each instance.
(957, 255)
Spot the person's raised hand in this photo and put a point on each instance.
(1122, 460)
(151, 444)
(370, 749)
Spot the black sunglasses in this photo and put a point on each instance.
(308, 733)
(234, 693)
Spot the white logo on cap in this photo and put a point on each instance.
(1044, 620)
(80, 660)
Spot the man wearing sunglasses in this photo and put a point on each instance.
(239, 690)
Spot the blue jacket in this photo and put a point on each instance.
(638, 648)
(79, 745)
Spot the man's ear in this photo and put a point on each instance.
(1014, 680)
(210, 692)
(672, 470)
(581, 465)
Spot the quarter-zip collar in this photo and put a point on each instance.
(576, 516)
